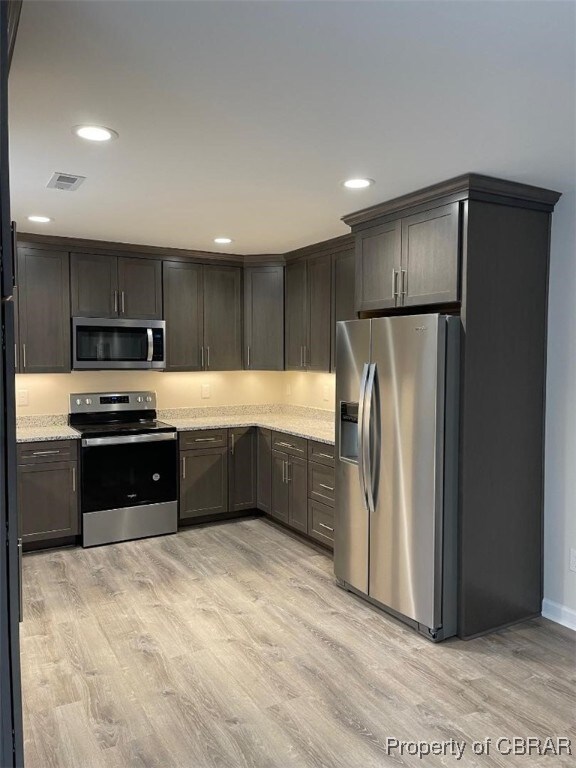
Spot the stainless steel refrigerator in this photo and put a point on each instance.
(396, 469)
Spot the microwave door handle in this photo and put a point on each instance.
(150, 345)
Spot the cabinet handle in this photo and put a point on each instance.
(326, 487)
(202, 354)
(122, 301)
(325, 455)
(183, 467)
(45, 453)
(288, 478)
(24, 355)
(306, 357)
(395, 283)
(21, 606)
(205, 439)
(404, 282)
(73, 479)
(208, 358)
(16, 357)
(115, 302)
(248, 356)
(301, 357)
(285, 445)
(322, 525)
(232, 446)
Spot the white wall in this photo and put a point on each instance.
(560, 488)
(48, 393)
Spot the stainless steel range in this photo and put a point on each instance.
(129, 467)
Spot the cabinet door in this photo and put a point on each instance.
(298, 494)
(48, 500)
(203, 482)
(280, 495)
(264, 318)
(184, 313)
(94, 285)
(295, 315)
(264, 470)
(44, 311)
(378, 257)
(223, 318)
(319, 284)
(140, 286)
(430, 257)
(343, 281)
(242, 469)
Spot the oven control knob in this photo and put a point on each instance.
(88, 401)
(78, 401)
(148, 399)
(139, 399)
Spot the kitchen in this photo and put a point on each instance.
(181, 603)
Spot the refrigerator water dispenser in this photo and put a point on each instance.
(349, 431)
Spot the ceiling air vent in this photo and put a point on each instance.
(66, 181)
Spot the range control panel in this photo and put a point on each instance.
(95, 402)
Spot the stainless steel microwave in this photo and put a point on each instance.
(102, 344)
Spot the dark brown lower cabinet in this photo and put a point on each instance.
(48, 491)
(290, 490)
(242, 469)
(203, 482)
(321, 522)
(264, 470)
(280, 495)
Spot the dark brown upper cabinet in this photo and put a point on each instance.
(264, 318)
(412, 261)
(222, 318)
(343, 299)
(203, 311)
(184, 315)
(430, 257)
(43, 344)
(116, 286)
(308, 314)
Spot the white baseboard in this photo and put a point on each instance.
(559, 613)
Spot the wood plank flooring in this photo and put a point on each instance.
(231, 646)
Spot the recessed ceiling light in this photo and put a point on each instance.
(94, 132)
(222, 240)
(358, 183)
(39, 219)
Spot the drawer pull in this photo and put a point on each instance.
(322, 525)
(205, 439)
(326, 487)
(45, 453)
(285, 445)
(325, 455)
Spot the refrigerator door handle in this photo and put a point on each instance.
(361, 451)
(367, 438)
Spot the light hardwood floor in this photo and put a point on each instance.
(230, 645)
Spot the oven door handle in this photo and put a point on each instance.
(150, 345)
(96, 442)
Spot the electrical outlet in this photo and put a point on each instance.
(572, 559)
(326, 392)
(22, 397)
(205, 391)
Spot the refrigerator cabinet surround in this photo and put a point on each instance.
(396, 468)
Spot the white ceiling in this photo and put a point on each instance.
(242, 118)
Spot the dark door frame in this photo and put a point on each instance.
(11, 742)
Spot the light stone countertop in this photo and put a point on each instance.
(39, 434)
(308, 423)
(311, 429)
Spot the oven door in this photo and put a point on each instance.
(128, 471)
(101, 343)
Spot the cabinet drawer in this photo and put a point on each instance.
(295, 446)
(52, 450)
(321, 452)
(203, 438)
(321, 483)
(321, 522)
